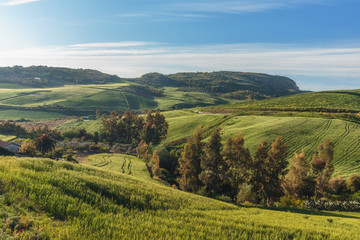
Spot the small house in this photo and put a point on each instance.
(10, 146)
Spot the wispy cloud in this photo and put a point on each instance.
(237, 7)
(201, 9)
(18, 2)
(132, 59)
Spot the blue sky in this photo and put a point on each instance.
(317, 43)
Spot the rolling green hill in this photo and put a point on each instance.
(298, 133)
(239, 83)
(44, 77)
(80, 92)
(42, 199)
(345, 100)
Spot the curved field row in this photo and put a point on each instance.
(298, 133)
(120, 163)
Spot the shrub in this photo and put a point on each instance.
(337, 185)
(245, 194)
(353, 183)
(288, 201)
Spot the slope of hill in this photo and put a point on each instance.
(342, 101)
(42, 76)
(42, 199)
(239, 83)
(80, 92)
(298, 133)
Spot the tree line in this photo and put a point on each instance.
(214, 169)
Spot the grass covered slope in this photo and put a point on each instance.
(121, 163)
(298, 133)
(333, 100)
(65, 201)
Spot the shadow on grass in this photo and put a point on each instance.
(304, 211)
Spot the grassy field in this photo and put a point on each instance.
(346, 100)
(121, 163)
(60, 200)
(36, 116)
(85, 98)
(175, 99)
(298, 133)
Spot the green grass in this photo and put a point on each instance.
(121, 163)
(30, 115)
(175, 99)
(346, 100)
(298, 133)
(90, 126)
(67, 201)
(7, 138)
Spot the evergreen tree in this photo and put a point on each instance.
(322, 168)
(212, 165)
(258, 170)
(189, 163)
(155, 164)
(155, 128)
(299, 181)
(238, 163)
(275, 165)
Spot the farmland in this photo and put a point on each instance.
(306, 133)
(62, 200)
(332, 100)
(121, 163)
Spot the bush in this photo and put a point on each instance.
(245, 194)
(353, 183)
(288, 201)
(337, 185)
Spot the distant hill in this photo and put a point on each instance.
(42, 76)
(237, 85)
(82, 91)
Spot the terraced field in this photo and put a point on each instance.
(42, 199)
(297, 132)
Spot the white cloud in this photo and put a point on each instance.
(18, 2)
(237, 7)
(310, 66)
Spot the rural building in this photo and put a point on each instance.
(10, 146)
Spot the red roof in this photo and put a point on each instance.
(4, 144)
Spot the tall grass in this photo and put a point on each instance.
(68, 201)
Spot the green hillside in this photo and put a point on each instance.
(241, 84)
(121, 163)
(65, 91)
(332, 100)
(298, 133)
(42, 76)
(42, 199)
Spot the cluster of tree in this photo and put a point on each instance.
(132, 128)
(162, 163)
(43, 144)
(213, 169)
(12, 128)
(42, 76)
